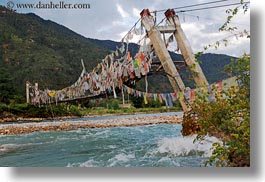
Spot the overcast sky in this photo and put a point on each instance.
(111, 19)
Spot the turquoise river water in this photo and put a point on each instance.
(151, 146)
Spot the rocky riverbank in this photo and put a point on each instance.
(10, 129)
(12, 119)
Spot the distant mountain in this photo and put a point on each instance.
(35, 49)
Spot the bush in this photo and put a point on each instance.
(228, 118)
(137, 102)
(40, 112)
(3, 107)
(19, 108)
(153, 103)
(114, 104)
(75, 111)
(27, 110)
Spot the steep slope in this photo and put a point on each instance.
(41, 50)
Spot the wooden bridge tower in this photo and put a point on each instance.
(154, 33)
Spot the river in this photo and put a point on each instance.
(159, 145)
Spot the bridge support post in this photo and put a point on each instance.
(27, 92)
(185, 48)
(163, 55)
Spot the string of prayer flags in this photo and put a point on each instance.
(180, 95)
(192, 94)
(187, 93)
(137, 31)
(167, 98)
(145, 98)
(128, 56)
(220, 85)
(130, 36)
(155, 97)
(122, 48)
(170, 100)
(169, 40)
(112, 71)
(117, 53)
(174, 96)
(51, 93)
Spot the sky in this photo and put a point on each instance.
(111, 20)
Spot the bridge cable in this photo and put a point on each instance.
(211, 7)
(131, 28)
(206, 18)
(188, 6)
(203, 8)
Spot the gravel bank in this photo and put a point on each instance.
(11, 129)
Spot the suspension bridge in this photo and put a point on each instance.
(120, 69)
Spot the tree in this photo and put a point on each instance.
(6, 88)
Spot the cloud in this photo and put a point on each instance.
(123, 13)
(113, 18)
(136, 12)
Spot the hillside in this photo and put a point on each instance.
(41, 50)
(35, 49)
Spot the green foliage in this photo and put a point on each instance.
(18, 108)
(27, 110)
(108, 103)
(74, 110)
(40, 50)
(138, 102)
(231, 13)
(154, 103)
(18, 99)
(7, 89)
(228, 118)
(3, 107)
(121, 111)
(36, 112)
(114, 104)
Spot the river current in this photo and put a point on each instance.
(150, 146)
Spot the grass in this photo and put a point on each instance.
(62, 110)
(121, 111)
